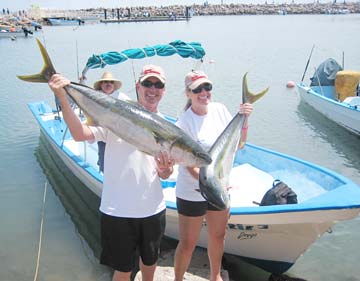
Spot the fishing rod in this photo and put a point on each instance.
(307, 64)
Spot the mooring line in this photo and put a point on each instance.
(41, 232)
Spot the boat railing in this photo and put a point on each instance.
(318, 80)
(84, 150)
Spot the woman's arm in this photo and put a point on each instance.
(194, 171)
(245, 109)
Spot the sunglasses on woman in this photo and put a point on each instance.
(205, 86)
(149, 84)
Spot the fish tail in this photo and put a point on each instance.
(47, 71)
(247, 95)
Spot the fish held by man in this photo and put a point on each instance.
(147, 131)
(214, 178)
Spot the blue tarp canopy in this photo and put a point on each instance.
(185, 50)
(325, 74)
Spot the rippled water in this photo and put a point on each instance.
(273, 49)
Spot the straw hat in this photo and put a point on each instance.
(107, 76)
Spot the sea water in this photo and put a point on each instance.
(272, 49)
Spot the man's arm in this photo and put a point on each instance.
(79, 131)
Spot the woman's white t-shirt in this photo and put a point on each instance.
(204, 129)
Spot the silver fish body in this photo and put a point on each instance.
(214, 178)
(147, 131)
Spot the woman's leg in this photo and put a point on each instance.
(189, 230)
(216, 222)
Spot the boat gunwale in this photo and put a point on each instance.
(309, 205)
(310, 90)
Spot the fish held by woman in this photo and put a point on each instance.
(214, 178)
(147, 131)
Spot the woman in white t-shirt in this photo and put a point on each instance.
(204, 121)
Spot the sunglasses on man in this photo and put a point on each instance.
(206, 86)
(149, 84)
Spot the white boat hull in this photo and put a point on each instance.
(339, 112)
(271, 237)
(15, 34)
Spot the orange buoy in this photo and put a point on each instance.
(290, 84)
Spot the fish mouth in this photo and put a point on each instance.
(205, 157)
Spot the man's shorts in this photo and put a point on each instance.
(193, 208)
(123, 238)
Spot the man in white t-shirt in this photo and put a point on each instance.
(132, 203)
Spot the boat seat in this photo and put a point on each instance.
(353, 101)
(248, 184)
(346, 83)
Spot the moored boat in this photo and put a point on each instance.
(271, 237)
(335, 93)
(13, 34)
(60, 21)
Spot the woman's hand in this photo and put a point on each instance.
(246, 109)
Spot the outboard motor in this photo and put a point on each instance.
(325, 74)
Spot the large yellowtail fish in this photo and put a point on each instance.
(145, 130)
(214, 178)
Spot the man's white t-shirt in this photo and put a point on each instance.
(131, 185)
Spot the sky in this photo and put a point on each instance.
(14, 5)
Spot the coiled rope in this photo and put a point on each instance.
(183, 49)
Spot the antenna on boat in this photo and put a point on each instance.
(81, 78)
(134, 75)
(307, 64)
(343, 60)
(77, 62)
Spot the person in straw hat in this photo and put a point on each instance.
(132, 204)
(109, 86)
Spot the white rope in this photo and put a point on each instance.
(176, 50)
(41, 232)
(144, 52)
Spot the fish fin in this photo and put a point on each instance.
(220, 173)
(47, 71)
(247, 95)
(89, 121)
(198, 190)
(133, 102)
(158, 138)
